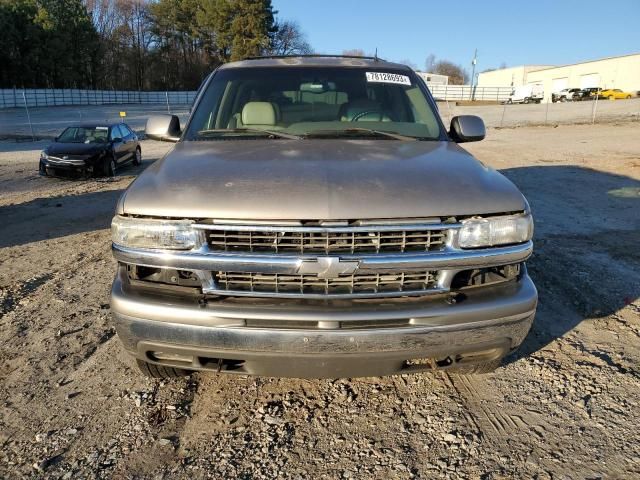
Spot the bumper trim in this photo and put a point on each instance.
(205, 260)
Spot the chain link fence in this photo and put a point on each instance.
(41, 97)
(518, 115)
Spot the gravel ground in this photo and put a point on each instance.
(567, 405)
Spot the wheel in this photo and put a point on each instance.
(158, 371)
(137, 158)
(628, 97)
(526, 100)
(475, 368)
(42, 170)
(109, 168)
(611, 97)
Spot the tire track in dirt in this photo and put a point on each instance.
(483, 407)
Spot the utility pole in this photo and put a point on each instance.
(473, 70)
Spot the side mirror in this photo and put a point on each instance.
(467, 128)
(163, 127)
(55, 139)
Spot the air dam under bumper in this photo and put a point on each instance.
(485, 326)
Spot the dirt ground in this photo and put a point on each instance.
(566, 406)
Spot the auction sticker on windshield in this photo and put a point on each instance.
(381, 77)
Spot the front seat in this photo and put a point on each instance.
(363, 110)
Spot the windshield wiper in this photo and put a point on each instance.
(250, 130)
(350, 131)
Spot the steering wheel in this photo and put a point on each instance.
(358, 116)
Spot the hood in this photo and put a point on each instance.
(75, 149)
(318, 180)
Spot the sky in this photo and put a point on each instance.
(534, 32)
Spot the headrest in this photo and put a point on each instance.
(258, 113)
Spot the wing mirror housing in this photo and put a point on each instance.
(165, 128)
(467, 128)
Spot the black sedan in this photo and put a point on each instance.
(92, 150)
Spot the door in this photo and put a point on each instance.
(129, 140)
(120, 144)
(119, 147)
(590, 80)
(558, 84)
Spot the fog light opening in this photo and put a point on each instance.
(171, 357)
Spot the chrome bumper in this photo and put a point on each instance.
(492, 319)
(206, 260)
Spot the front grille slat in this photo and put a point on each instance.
(358, 283)
(374, 241)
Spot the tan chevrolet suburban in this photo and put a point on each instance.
(316, 219)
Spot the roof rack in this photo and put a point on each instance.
(259, 57)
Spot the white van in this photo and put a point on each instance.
(532, 93)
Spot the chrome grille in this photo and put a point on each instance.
(326, 242)
(348, 284)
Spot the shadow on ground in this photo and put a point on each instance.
(54, 217)
(586, 262)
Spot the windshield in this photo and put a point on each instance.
(300, 102)
(84, 135)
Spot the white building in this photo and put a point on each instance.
(434, 78)
(508, 77)
(621, 72)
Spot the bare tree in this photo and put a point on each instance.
(430, 63)
(289, 40)
(457, 75)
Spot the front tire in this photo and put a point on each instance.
(137, 158)
(611, 97)
(109, 168)
(152, 370)
(42, 170)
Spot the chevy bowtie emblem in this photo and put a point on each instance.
(327, 267)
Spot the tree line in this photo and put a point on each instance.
(135, 44)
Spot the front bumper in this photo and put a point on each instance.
(180, 332)
(56, 167)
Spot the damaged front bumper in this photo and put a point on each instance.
(322, 339)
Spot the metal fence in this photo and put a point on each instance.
(467, 92)
(45, 97)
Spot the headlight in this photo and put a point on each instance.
(43, 155)
(488, 232)
(150, 233)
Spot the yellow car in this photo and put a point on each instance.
(614, 94)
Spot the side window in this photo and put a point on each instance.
(116, 132)
(126, 131)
